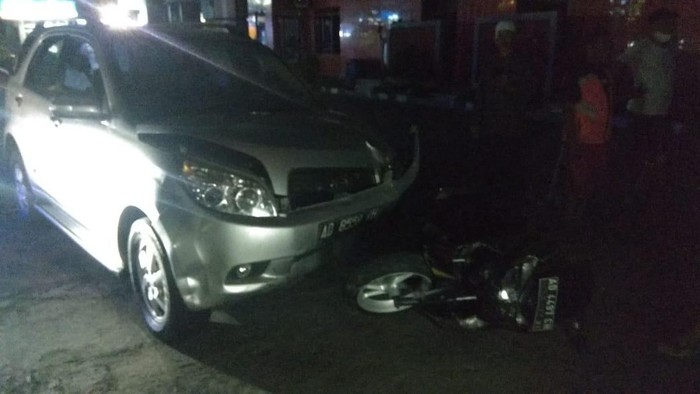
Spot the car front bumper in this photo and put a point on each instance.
(205, 251)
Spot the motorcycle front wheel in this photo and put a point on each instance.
(391, 283)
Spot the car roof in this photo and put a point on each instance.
(184, 31)
(179, 31)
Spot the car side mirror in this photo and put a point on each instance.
(76, 106)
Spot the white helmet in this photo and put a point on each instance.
(505, 26)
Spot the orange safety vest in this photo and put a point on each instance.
(593, 130)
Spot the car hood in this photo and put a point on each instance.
(281, 142)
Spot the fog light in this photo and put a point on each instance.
(243, 271)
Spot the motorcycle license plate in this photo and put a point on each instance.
(546, 304)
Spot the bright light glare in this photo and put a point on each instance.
(346, 30)
(124, 14)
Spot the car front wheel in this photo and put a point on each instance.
(23, 196)
(162, 308)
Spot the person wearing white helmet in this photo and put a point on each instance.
(504, 91)
(504, 35)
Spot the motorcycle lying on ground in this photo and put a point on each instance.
(512, 283)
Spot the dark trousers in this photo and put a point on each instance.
(502, 159)
(650, 137)
(587, 175)
(504, 173)
(640, 158)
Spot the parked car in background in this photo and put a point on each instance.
(191, 159)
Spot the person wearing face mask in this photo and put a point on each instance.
(651, 63)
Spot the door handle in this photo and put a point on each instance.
(56, 121)
(19, 100)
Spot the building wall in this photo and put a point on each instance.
(362, 24)
(622, 20)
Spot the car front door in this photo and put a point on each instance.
(31, 122)
(65, 104)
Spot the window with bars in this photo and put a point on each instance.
(327, 31)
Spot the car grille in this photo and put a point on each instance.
(309, 186)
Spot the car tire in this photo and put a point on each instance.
(23, 197)
(374, 286)
(161, 305)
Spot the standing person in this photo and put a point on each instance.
(505, 90)
(651, 63)
(587, 128)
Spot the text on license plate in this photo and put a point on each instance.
(546, 304)
(328, 229)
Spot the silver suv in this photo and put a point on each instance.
(191, 159)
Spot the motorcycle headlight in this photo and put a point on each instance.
(227, 192)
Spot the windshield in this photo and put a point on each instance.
(163, 76)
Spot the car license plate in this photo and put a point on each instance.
(328, 229)
(546, 304)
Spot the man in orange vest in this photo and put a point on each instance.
(587, 132)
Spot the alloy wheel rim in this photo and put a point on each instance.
(154, 286)
(378, 295)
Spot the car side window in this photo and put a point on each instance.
(44, 68)
(67, 67)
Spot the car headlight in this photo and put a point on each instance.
(227, 192)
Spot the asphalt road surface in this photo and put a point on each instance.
(68, 325)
